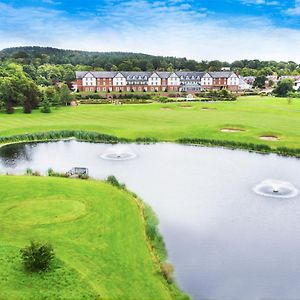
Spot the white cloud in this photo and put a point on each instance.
(261, 2)
(294, 11)
(159, 29)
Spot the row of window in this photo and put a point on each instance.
(128, 89)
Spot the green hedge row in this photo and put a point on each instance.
(84, 136)
(227, 144)
(283, 151)
(64, 134)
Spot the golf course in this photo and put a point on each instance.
(250, 118)
(98, 233)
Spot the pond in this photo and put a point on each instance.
(225, 240)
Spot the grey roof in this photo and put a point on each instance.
(104, 74)
(188, 75)
(80, 74)
(223, 74)
(164, 75)
(96, 74)
(137, 75)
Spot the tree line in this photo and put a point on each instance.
(46, 64)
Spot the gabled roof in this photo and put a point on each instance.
(189, 75)
(164, 75)
(103, 74)
(222, 74)
(96, 74)
(137, 75)
(80, 74)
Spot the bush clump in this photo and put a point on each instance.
(114, 181)
(37, 257)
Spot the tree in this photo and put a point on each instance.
(45, 108)
(260, 81)
(284, 87)
(65, 94)
(16, 86)
(37, 256)
(27, 106)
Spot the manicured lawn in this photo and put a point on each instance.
(257, 115)
(98, 235)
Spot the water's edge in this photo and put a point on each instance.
(95, 137)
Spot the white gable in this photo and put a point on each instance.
(119, 75)
(154, 75)
(89, 75)
(207, 75)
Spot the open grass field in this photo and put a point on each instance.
(98, 235)
(257, 116)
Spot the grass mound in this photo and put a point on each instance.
(98, 235)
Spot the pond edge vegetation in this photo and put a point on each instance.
(96, 137)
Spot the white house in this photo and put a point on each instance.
(173, 80)
(119, 80)
(154, 80)
(233, 80)
(207, 80)
(89, 80)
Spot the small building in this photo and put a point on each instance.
(78, 171)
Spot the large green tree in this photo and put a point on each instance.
(16, 87)
(284, 87)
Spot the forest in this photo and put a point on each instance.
(46, 65)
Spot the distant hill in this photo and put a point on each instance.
(124, 61)
(105, 60)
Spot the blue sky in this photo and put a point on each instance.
(198, 29)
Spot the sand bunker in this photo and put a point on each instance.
(186, 106)
(165, 108)
(272, 138)
(232, 130)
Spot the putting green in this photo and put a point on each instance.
(98, 235)
(44, 211)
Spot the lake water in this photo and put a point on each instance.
(225, 241)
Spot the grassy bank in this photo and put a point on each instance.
(98, 233)
(255, 115)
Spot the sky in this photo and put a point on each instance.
(197, 29)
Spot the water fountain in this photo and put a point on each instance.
(119, 153)
(276, 189)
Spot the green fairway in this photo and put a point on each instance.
(98, 235)
(257, 116)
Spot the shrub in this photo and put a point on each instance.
(114, 181)
(37, 256)
(45, 108)
(146, 140)
(28, 171)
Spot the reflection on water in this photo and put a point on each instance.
(225, 241)
(12, 154)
